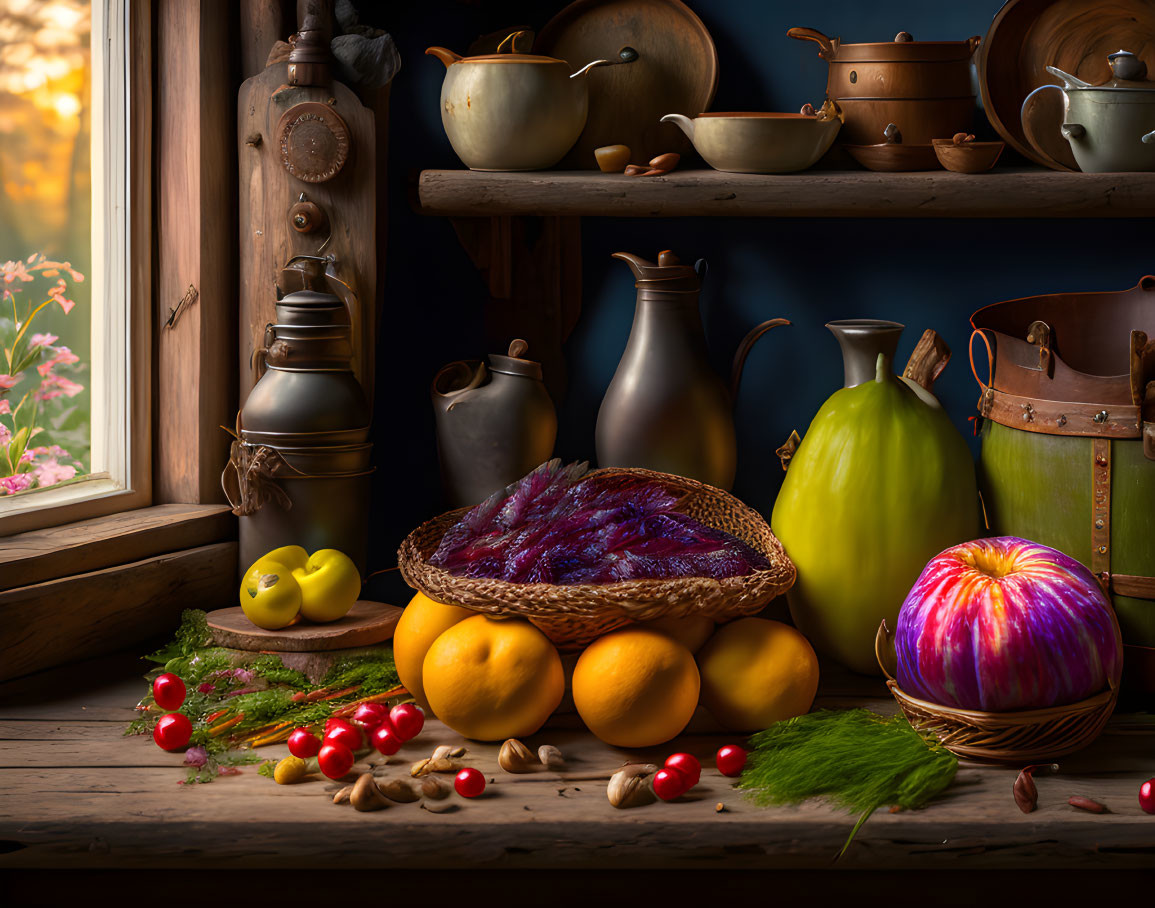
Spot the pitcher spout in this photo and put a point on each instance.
(445, 55)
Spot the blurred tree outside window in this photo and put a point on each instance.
(46, 244)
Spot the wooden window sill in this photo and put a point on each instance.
(87, 588)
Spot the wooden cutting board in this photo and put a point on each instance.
(367, 623)
(676, 71)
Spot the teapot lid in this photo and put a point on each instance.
(515, 363)
(1129, 73)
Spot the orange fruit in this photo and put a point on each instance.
(493, 679)
(691, 631)
(422, 622)
(757, 672)
(635, 687)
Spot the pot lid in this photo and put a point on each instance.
(515, 363)
(1128, 70)
(903, 49)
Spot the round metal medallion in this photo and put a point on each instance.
(314, 142)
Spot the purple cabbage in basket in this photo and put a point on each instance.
(554, 526)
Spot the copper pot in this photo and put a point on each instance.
(923, 87)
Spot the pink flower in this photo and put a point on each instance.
(57, 293)
(53, 451)
(207, 687)
(7, 382)
(62, 356)
(5, 407)
(54, 386)
(14, 271)
(5, 434)
(18, 482)
(43, 340)
(49, 472)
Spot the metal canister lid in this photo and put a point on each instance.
(515, 363)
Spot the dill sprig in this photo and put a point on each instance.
(855, 759)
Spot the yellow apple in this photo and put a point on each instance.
(270, 596)
(329, 585)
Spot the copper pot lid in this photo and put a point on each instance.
(903, 49)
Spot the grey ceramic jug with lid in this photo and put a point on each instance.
(494, 424)
(666, 408)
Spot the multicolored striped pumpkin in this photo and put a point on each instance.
(1004, 624)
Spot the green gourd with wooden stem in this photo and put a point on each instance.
(881, 483)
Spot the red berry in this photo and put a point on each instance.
(335, 759)
(172, 732)
(346, 733)
(731, 760)
(408, 719)
(670, 783)
(687, 765)
(304, 744)
(168, 691)
(384, 738)
(371, 715)
(469, 782)
(1147, 796)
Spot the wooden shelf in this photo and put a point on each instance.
(1009, 193)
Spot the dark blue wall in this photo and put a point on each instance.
(923, 273)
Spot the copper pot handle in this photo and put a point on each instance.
(827, 47)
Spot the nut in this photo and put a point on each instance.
(667, 161)
(1026, 793)
(630, 786)
(517, 758)
(433, 788)
(551, 757)
(366, 795)
(434, 764)
(400, 791)
(1086, 804)
(342, 795)
(635, 170)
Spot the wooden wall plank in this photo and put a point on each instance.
(89, 545)
(196, 216)
(77, 617)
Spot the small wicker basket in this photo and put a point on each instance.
(573, 616)
(1023, 736)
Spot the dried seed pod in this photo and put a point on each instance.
(551, 757)
(1086, 804)
(630, 786)
(431, 764)
(342, 795)
(667, 161)
(441, 752)
(653, 172)
(635, 170)
(1025, 791)
(515, 757)
(366, 795)
(458, 751)
(433, 788)
(400, 791)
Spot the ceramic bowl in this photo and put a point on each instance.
(894, 158)
(973, 157)
(759, 142)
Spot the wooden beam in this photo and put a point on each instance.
(1024, 193)
(50, 623)
(195, 309)
(102, 542)
(262, 24)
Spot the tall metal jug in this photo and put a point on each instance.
(666, 409)
(299, 469)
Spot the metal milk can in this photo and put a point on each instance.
(299, 468)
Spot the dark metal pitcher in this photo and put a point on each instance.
(666, 409)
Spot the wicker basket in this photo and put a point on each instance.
(572, 616)
(1024, 736)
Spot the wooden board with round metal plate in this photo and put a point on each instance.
(665, 62)
(1076, 36)
(313, 141)
(365, 624)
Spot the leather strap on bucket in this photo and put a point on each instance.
(1057, 417)
(1101, 511)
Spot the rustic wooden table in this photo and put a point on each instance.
(77, 794)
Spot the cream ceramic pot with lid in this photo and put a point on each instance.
(1110, 127)
(509, 111)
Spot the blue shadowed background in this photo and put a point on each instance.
(922, 273)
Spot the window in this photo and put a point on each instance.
(66, 409)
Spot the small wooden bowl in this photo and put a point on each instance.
(1024, 736)
(973, 157)
(894, 157)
